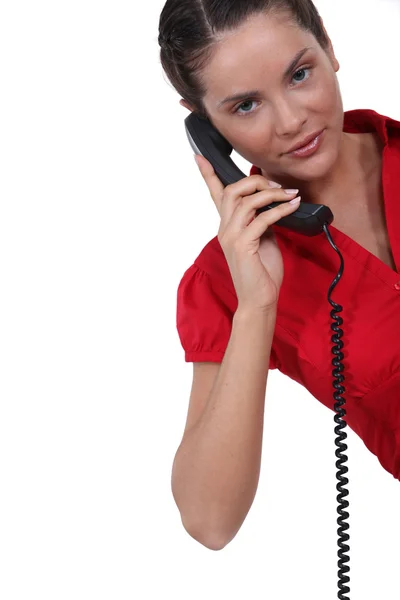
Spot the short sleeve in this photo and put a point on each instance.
(203, 319)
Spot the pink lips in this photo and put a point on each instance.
(310, 148)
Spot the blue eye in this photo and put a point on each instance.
(247, 112)
(300, 71)
(243, 104)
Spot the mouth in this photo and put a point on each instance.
(305, 143)
(312, 145)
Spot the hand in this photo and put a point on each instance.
(250, 248)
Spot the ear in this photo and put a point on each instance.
(186, 105)
(330, 51)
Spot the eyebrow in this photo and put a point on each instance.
(244, 95)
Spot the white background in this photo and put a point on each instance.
(102, 211)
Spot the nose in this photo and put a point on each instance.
(289, 119)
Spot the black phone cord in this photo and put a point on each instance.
(341, 424)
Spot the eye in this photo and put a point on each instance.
(302, 70)
(247, 102)
(244, 104)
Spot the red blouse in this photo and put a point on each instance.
(369, 292)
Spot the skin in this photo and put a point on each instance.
(255, 56)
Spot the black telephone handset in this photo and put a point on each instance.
(207, 141)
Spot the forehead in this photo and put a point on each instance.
(262, 46)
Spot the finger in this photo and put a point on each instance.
(260, 224)
(246, 209)
(214, 184)
(249, 185)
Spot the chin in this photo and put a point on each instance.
(315, 167)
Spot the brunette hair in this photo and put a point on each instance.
(188, 30)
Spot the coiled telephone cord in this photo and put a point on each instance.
(341, 424)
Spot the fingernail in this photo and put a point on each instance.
(195, 158)
(291, 192)
(274, 184)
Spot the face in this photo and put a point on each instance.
(284, 109)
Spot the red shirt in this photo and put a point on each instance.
(369, 292)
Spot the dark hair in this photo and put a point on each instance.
(188, 30)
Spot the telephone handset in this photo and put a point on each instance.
(204, 139)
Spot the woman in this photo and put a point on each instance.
(239, 313)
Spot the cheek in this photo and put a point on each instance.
(328, 96)
(252, 145)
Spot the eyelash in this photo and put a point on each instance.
(235, 111)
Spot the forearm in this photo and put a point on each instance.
(217, 466)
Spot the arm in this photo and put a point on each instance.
(217, 465)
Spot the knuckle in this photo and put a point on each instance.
(229, 192)
(261, 181)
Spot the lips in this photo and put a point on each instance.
(306, 141)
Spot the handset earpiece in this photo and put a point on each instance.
(207, 141)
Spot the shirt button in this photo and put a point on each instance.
(397, 286)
